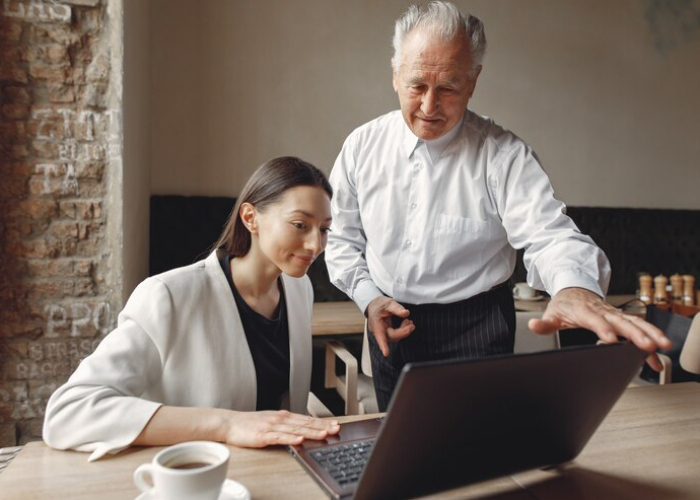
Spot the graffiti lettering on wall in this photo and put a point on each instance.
(82, 317)
(76, 131)
(67, 123)
(31, 370)
(69, 185)
(35, 10)
(54, 360)
(61, 349)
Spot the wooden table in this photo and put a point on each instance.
(337, 318)
(647, 448)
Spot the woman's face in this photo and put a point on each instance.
(292, 232)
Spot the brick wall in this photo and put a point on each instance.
(59, 140)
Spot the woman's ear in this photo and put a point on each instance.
(248, 215)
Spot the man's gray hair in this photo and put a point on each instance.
(444, 20)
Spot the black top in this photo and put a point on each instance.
(268, 340)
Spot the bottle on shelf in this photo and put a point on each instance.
(660, 294)
(677, 289)
(644, 293)
(688, 290)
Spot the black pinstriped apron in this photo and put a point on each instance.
(483, 325)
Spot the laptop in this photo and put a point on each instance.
(452, 423)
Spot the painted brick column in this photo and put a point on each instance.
(60, 198)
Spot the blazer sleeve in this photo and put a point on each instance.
(100, 409)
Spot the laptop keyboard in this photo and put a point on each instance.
(345, 462)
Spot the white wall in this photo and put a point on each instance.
(606, 92)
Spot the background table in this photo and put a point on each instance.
(336, 318)
(541, 305)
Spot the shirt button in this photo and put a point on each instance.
(413, 206)
(399, 281)
(408, 243)
(418, 166)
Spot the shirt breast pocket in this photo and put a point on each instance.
(462, 246)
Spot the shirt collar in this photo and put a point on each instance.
(410, 141)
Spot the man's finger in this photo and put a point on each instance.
(630, 331)
(396, 309)
(407, 327)
(654, 361)
(544, 326)
(598, 325)
(652, 332)
(379, 332)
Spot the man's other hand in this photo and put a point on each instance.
(379, 313)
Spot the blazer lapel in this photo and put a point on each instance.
(299, 320)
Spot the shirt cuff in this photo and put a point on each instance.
(575, 280)
(365, 292)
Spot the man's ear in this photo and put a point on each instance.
(248, 214)
(394, 80)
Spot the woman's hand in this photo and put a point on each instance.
(251, 429)
(257, 429)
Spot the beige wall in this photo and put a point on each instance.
(606, 92)
(137, 143)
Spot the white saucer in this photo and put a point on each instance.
(530, 299)
(232, 490)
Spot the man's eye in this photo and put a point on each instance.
(325, 230)
(299, 225)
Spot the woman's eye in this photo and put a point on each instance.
(325, 230)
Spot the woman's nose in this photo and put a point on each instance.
(315, 242)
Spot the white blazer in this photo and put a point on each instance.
(179, 342)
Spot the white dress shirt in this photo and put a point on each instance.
(439, 222)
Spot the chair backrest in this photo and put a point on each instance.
(690, 354)
(528, 341)
(365, 361)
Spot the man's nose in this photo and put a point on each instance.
(430, 103)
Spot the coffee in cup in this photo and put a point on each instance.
(194, 470)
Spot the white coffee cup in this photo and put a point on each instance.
(524, 291)
(195, 470)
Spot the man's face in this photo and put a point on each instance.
(433, 83)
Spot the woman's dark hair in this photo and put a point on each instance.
(266, 186)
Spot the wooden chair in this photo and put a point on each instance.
(355, 385)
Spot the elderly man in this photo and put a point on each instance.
(430, 204)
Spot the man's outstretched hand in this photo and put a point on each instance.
(580, 308)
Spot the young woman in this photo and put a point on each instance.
(218, 350)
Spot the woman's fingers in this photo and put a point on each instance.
(258, 429)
